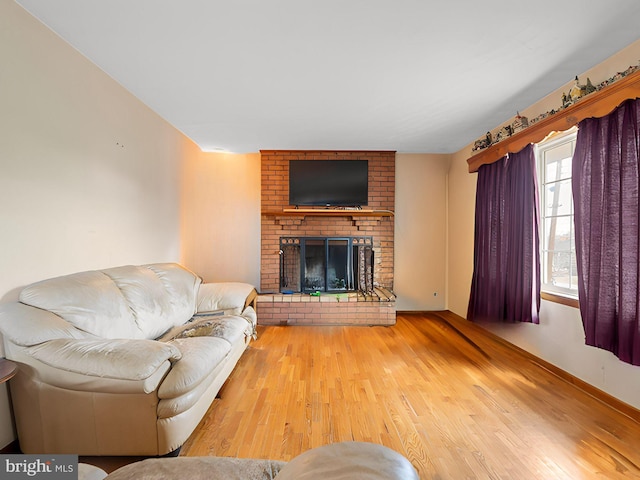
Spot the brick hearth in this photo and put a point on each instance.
(331, 309)
(276, 308)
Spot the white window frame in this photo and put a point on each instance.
(552, 142)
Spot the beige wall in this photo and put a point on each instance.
(89, 176)
(559, 338)
(221, 217)
(461, 222)
(420, 231)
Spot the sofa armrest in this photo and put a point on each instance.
(116, 359)
(230, 297)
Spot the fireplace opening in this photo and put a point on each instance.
(326, 264)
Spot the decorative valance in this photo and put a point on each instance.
(596, 104)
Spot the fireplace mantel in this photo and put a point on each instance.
(330, 212)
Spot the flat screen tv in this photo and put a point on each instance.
(329, 182)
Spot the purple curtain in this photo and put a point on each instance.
(506, 277)
(605, 192)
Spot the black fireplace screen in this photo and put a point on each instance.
(326, 264)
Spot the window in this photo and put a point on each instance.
(558, 255)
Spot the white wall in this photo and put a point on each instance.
(420, 231)
(559, 338)
(90, 177)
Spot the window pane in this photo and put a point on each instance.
(558, 162)
(574, 271)
(547, 264)
(558, 200)
(558, 262)
(561, 269)
(558, 234)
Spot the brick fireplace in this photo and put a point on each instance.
(280, 220)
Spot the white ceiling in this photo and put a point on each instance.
(407, 75)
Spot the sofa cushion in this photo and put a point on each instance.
(178, 280)
(88, 300)
(121, 302)
(200, 355)
(121, 358)
(349, 460)
(199, 468)
(232, 328)
(90, 472)
(25, 325)
(228, 297)
(159, 296)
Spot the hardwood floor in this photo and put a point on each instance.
(454, 401)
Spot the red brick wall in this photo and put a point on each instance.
(275, 197)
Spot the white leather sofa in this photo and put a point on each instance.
(121, 361)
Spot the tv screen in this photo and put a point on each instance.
(329, 182)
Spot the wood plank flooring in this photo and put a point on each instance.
(455, 402)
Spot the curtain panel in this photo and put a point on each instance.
(506, 277)
(605, 183)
